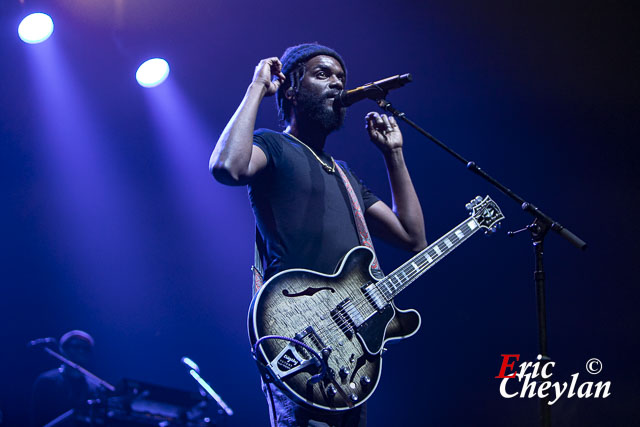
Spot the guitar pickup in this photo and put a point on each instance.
(375, 296)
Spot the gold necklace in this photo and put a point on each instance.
(330, 169)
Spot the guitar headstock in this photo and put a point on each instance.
(486, 213)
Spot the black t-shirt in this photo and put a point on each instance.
(303, 212)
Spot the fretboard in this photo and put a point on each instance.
(403, 276)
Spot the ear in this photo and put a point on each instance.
(289, 93)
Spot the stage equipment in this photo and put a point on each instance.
(152, 72)
(35, 28)
(139, 403)
(88, 375)
(90, 412)
(194, 371)
(134, 403)
(538, 229)
(372, 90)
(42, 341)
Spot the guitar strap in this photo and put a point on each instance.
(361, 226)
(258, 267)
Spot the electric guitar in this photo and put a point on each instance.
(320, 337)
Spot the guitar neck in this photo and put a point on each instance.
(407, 273)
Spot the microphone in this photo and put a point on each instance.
(374, 90)
(41, 341)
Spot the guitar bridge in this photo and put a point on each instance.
(347, 317)
(293, 358)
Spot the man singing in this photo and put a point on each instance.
(306, 203)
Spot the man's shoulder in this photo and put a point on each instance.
(267, 134)
(275, 145)
(269, 140)
(47, 379)
(51, 374)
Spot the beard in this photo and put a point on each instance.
(313, 111)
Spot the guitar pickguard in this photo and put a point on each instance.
(372, 331)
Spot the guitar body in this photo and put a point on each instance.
(333, 315)
(320, 337)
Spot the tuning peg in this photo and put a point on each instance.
(478, 199)
(472, 204)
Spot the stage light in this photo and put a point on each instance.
(35, 28)
(152, 72)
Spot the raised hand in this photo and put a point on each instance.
(383, 131)
(269, 73)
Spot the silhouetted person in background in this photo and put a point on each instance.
(59, 390)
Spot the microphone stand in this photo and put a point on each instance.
(194, 371)
(541, 225)
(88, 375)
(205, 386)
(60, 418)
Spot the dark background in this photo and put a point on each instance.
(112, 224)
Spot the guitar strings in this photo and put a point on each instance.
(360, 303)
(409, 271)
(363, 304)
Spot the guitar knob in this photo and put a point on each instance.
(331, 390)
(353, 397)
(365, 381)
(344, 372)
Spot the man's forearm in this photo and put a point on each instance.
(406, 205)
